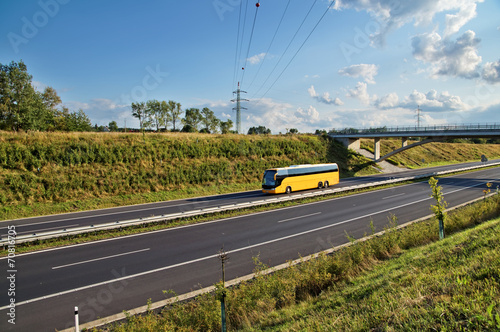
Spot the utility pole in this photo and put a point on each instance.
(238, 107)
(418, 116)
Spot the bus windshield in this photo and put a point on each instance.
(268, 179)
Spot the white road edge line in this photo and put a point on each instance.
(307, 215)
(394, 196)
(228, 252)
(100, 259)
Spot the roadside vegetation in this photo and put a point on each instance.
(436, 154)
(405, 279)
(45, 173)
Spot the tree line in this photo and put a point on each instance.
(22, 107)
(162, 115)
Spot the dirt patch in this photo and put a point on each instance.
(384, 166)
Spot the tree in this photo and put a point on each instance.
(113, 126)
(209, 120)
(260, 130)
(79, 121)
(293, 131)
(21, 106)
(165, 114)
(50, 98)
(320, 132)
(440, 208)
(175, 112)
(139, 112)
(153, 112)
(225, 127)
(192, 119)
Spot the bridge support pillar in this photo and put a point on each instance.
(376, 149)
(350, 143)
(404, 142)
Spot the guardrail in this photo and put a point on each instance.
(140, 221)
(413, 129)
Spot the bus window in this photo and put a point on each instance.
(268, 179)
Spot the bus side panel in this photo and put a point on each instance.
(305, 182)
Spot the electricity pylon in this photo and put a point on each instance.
(238, 107)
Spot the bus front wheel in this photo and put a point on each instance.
(327, 184)
(288, 190)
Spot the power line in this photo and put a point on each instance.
(237, 46)
(243, 32)
(257, 5)
(308, 36)
(290, 43)
(270, 44)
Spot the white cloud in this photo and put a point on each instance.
(491, 72)
(101, 111)
(448, 58)
(325, 98)
(106, 104)
(455, 21)
(368, 72)
(360, 92)
(392, 14)
(256, 58)
(434, 102)
(309, 116)
(39, 86)
(211, 103)
(76, 105)
(280, 116)
(389, 101)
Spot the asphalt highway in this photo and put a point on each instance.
(106, 277)
(95, 217)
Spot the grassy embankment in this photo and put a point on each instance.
(44, 173)
(433, 154)
(405, 279)
(47, 173)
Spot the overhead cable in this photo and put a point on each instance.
(279, 76)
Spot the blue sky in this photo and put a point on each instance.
(367, 62)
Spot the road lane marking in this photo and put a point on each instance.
(100, 259)
(394, 196)
(228, 252)
(307, 215)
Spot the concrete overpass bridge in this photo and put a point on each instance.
(351, 137)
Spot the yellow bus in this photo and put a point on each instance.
(299, 177)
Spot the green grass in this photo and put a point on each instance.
(434, 154)
(451, 285)
(404, 279)
(50, 173)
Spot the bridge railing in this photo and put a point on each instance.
(413, 129)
